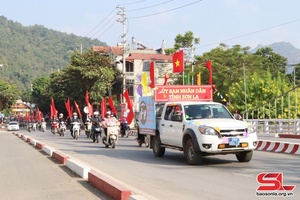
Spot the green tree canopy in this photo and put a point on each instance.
(9, 93)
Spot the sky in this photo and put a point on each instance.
(242, 22)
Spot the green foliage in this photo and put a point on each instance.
(260, 90)
(32, 52)
(90, 71)
(9, 93)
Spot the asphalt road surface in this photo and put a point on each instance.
(29, 174)
(170, 177)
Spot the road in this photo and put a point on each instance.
(170, 177)
(28, 174)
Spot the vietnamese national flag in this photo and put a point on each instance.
(78, 109)
(209, 67)
(112, 106)
(152, 84)
(178, 62)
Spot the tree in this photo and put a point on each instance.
(9, 93)
(261, 91)
(41, 93)
(90, 71)
(272, 61)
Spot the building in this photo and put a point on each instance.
(137, 62)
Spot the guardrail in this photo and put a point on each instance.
(279, 126)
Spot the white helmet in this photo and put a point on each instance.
(96, 113)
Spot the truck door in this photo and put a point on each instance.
(171, 128)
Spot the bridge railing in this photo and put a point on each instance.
(278, 126)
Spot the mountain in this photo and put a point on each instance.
(27, 53)
(285, 49)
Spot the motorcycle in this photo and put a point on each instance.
(54, 128)
(43, 127)
(141, 138)
(62, 128)
(76, 130)
(111, 137)
(29, 127)
(34, 126)
(88, 129)
(124, 129)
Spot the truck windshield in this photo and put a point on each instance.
(205, 111)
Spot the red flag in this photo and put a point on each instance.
(152, 84)
(89, 106)
(53, 109)
(77, 108)
(130, 115)
(112, 106)
(178, 62)
(166, 76)
(209, 67)
(68, 108)
(103, 108)
(38, 115)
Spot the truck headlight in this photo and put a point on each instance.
(206, 130)
(251, 129)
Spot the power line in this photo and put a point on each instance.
(100, 22)
(166, 10)
(138, 9)
(132, 3)
(258, 31)
(104, 25)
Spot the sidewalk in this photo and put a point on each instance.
(28, 174)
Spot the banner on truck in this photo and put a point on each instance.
(165, 93)
(147, 118)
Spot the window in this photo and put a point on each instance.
(129, 67)
(146, 66)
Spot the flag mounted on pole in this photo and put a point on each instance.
(152, 70)
(209, 67)
(68, 108)
(78, 109)
(178, 62)
(89, 106)
(112, 106)
(130, 115)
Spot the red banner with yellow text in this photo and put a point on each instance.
(183, 93)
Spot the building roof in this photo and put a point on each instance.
(143, 56)
(108, 49)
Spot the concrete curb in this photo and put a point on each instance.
(278, 147)
(105, 184)
(108, 186)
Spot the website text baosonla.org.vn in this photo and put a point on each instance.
(274, 194)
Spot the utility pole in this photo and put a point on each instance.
(122, 13)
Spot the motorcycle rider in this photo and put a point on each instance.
(61, 119)
(73, 119)
(108, 119)
(96, 123)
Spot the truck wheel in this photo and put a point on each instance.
(192, 156)
(157, 149)
(244, 156)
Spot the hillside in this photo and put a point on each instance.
(27, 53)
(285, 49)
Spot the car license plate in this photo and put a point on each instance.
(234, 141)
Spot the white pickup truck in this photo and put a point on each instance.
(201, 129)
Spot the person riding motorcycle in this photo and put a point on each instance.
(73, 119)
(108, 119)
(61, 119)
(96, 123)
